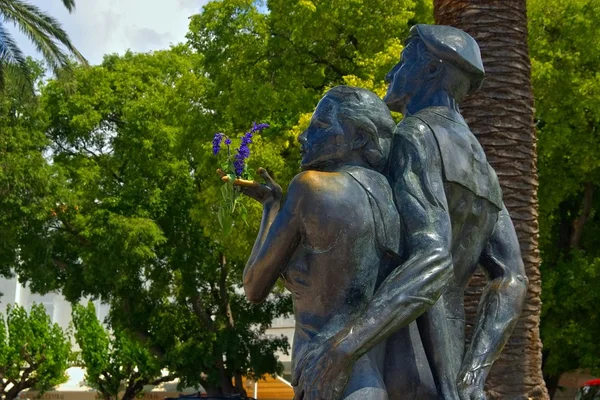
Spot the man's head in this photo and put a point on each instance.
(436, 57)
(348, 123)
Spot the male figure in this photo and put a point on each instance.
(336, 235)
(453, 218)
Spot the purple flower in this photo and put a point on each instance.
(243, 152)
(238, 164)
(258, 127)
(216, 143)
(246, 139)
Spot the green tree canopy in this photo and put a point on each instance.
(26, 188)
(34, 353)
(565, 60)
(275, 65)
(132, 216)
(116, 365)
(133, 224)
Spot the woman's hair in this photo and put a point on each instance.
(369, 115)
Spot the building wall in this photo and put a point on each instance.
(8, 288)
(57, 307)
(285, 327)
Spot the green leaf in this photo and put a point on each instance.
(567, 95)
(112, 359)
(32, 340)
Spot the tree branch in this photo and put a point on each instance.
(60, 264)
(102, 389)
(24, 382)
(164, 379)
(226, 307)
(93, 155)
(63, 149)
(316, 58)
(132, 386)
(73, 231)
(580, 221)
(201, 313)
(141, 335)
(145, 338)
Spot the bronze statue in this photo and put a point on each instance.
(337, 233)
(359, 274)
(460, 186)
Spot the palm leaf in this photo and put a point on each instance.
(69, 4)
(12, 60)
(43, 30)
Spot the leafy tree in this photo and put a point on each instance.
(34, 353)
(133, 219)
(275, 65)
(26, 188)
(567, 91)
(134, 226)
(44, 32)
(113, 361)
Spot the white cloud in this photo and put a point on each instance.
(99, 27)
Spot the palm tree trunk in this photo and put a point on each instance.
(501, 115)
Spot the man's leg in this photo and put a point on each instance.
(442, 332)
(407, 375)
(366, 381)
(368, 393)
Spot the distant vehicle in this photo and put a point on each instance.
(589, 391)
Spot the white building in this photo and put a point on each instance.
(285, 327)
(57, 307)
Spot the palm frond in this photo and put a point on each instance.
(69, 5)
(43, 30)
(12, 60)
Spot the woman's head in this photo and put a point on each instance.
(347, 120)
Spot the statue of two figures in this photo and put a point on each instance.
(380, 233)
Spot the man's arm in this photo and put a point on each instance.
(277, 240)
(417, 183)
(499, 308)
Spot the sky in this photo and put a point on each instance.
(99, 27)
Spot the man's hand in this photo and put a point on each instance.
(322, 373)
(268, 193)
(471, 385)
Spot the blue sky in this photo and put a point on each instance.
(99, 27)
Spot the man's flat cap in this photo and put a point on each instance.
(453, 46)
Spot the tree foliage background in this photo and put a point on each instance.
(108, 187)
(34, 352)
(117, 365)
(122, 207)
(565, 58)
